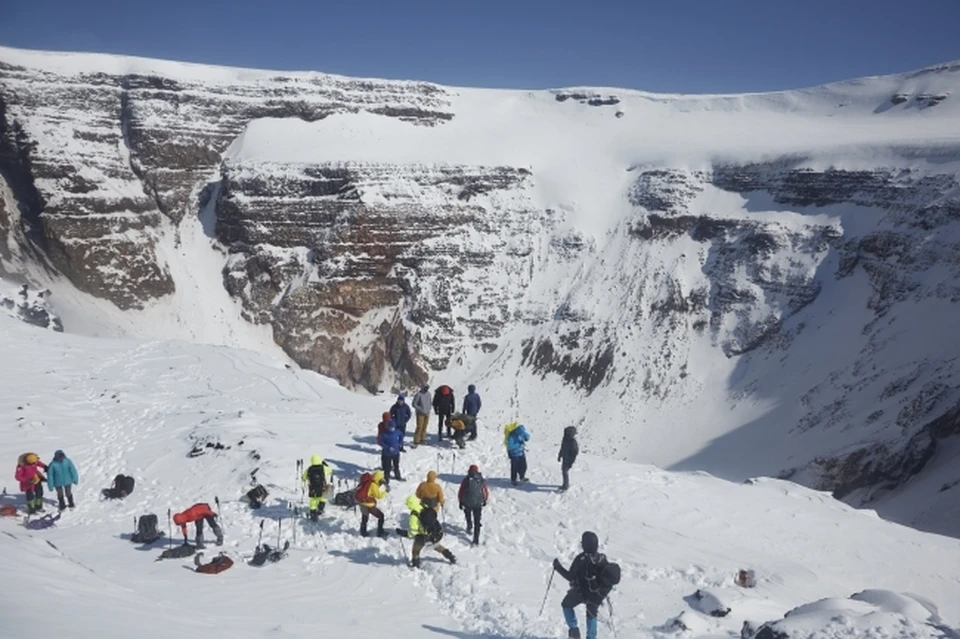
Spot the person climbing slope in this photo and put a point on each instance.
(473, 496)
(591, 579)
(198, 514)
(430, 493)
(400, 413)
(569, 449)
(62, 476)
(368, 492)
(421, 406)
(515, 436)
(390, 447)
(471, 407)
(424, 528)
(318, 477)
(29, 474)
(443, 405)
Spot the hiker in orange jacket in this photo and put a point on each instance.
(199, 513)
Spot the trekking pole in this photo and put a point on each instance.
(169, 530)
(260, 538)
(613, 624)
(296, 519)
(549, 583)
(279, 527)
(453, 466)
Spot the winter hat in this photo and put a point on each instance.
(401, 397)
(58, 454)
(474, 468)
(589, 542)
(471, 388)
(425, 388)
(30, 458)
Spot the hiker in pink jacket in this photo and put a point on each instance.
(31, 480)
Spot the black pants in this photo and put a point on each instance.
(518, 468)
(390, 464)
(442, 420)
(65, 490)
(574, 599)
(365, 512)
(473, 522)
(472, 426)
(566, 475)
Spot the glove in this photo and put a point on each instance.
(557, 565)
(400, 531)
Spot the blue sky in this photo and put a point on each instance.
(696, 46)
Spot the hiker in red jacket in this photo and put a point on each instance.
(199, 513)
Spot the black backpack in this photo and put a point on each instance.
(257, 495)
(147, 531)
(473, 492)
(431, 525)
(123, 485)
(317, 480)
(600, 575)
(347, 499)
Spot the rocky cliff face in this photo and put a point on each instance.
(617, 297)
(100, 162)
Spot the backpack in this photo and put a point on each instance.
(473, 492)
(431, 525)
(347, 499)
(218, 565)
(122, 485)
(600, 575)
(257, 495)
(8, 510)
(317, 480)
(147, 531)
(430, 502)
(362, 493)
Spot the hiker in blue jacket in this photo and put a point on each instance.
(62, 475)
(391, 443)
(401, 414)
(515, 437)
(471, 407)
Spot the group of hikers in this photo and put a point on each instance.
(590, 575)
(61, 476)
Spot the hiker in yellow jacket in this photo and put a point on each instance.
(319, 479)
(424, 528)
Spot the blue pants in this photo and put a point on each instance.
(571, 601)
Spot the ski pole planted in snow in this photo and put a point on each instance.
(169, 529)
(453, 465)
(296, 519)
(279, 527)
(260, 538)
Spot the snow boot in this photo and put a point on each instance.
(573, 633)
(314, 515)
(219, 539)
(415, 562)
(449, 556)
(198, 542)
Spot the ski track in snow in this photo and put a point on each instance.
(139, 407)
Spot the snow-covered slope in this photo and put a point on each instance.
(148, 409)
(747, 284)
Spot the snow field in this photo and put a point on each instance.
(140, 407)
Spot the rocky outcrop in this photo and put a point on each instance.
(28, 305)
(375, 273)
(98, 161)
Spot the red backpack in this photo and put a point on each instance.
(363, 490)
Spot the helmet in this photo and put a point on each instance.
(31, 458)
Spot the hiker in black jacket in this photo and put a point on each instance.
(585, 587)
(569, 449)
(444, 404)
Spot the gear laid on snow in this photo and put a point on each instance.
(122, 486)
(147, 530)
(178, 552)
(219, 563)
